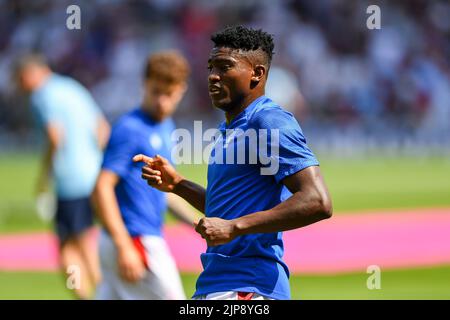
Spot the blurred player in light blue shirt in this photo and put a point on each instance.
(76, 132)
(76, 118)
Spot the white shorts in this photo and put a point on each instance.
(161, 282)
(231, 295)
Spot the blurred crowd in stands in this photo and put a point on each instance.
(348, 85)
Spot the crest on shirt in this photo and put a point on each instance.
(155, 141)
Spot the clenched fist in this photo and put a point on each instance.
(216, 231)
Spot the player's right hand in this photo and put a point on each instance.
(42, 185)
(158, 172)
(131, 266)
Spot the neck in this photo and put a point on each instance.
(241, 106)
(147, 109)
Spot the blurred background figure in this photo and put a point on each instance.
(135, 260)
(357, 90)
(76, 133)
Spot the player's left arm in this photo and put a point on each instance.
(54, 137)
(310, 202)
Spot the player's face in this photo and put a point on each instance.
(162, 99)
(229, 78)
(26, 79)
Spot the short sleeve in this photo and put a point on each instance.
(120, 150)
(44, 111)
(286, 145)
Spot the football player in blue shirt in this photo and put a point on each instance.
(135, 260)
(246, 208)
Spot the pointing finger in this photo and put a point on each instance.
(143, 158)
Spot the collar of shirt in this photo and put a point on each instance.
(243, 116)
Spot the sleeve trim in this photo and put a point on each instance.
(294, 169)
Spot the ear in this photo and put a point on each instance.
(181, 89)
(259, 71)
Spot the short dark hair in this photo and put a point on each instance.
(247, 39)
(168, 66)
(28, 59)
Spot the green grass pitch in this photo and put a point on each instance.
(424, 283)
(356, 186)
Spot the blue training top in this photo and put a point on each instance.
(252, 263)
(142, 207)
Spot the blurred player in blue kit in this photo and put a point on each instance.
(135, 260)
